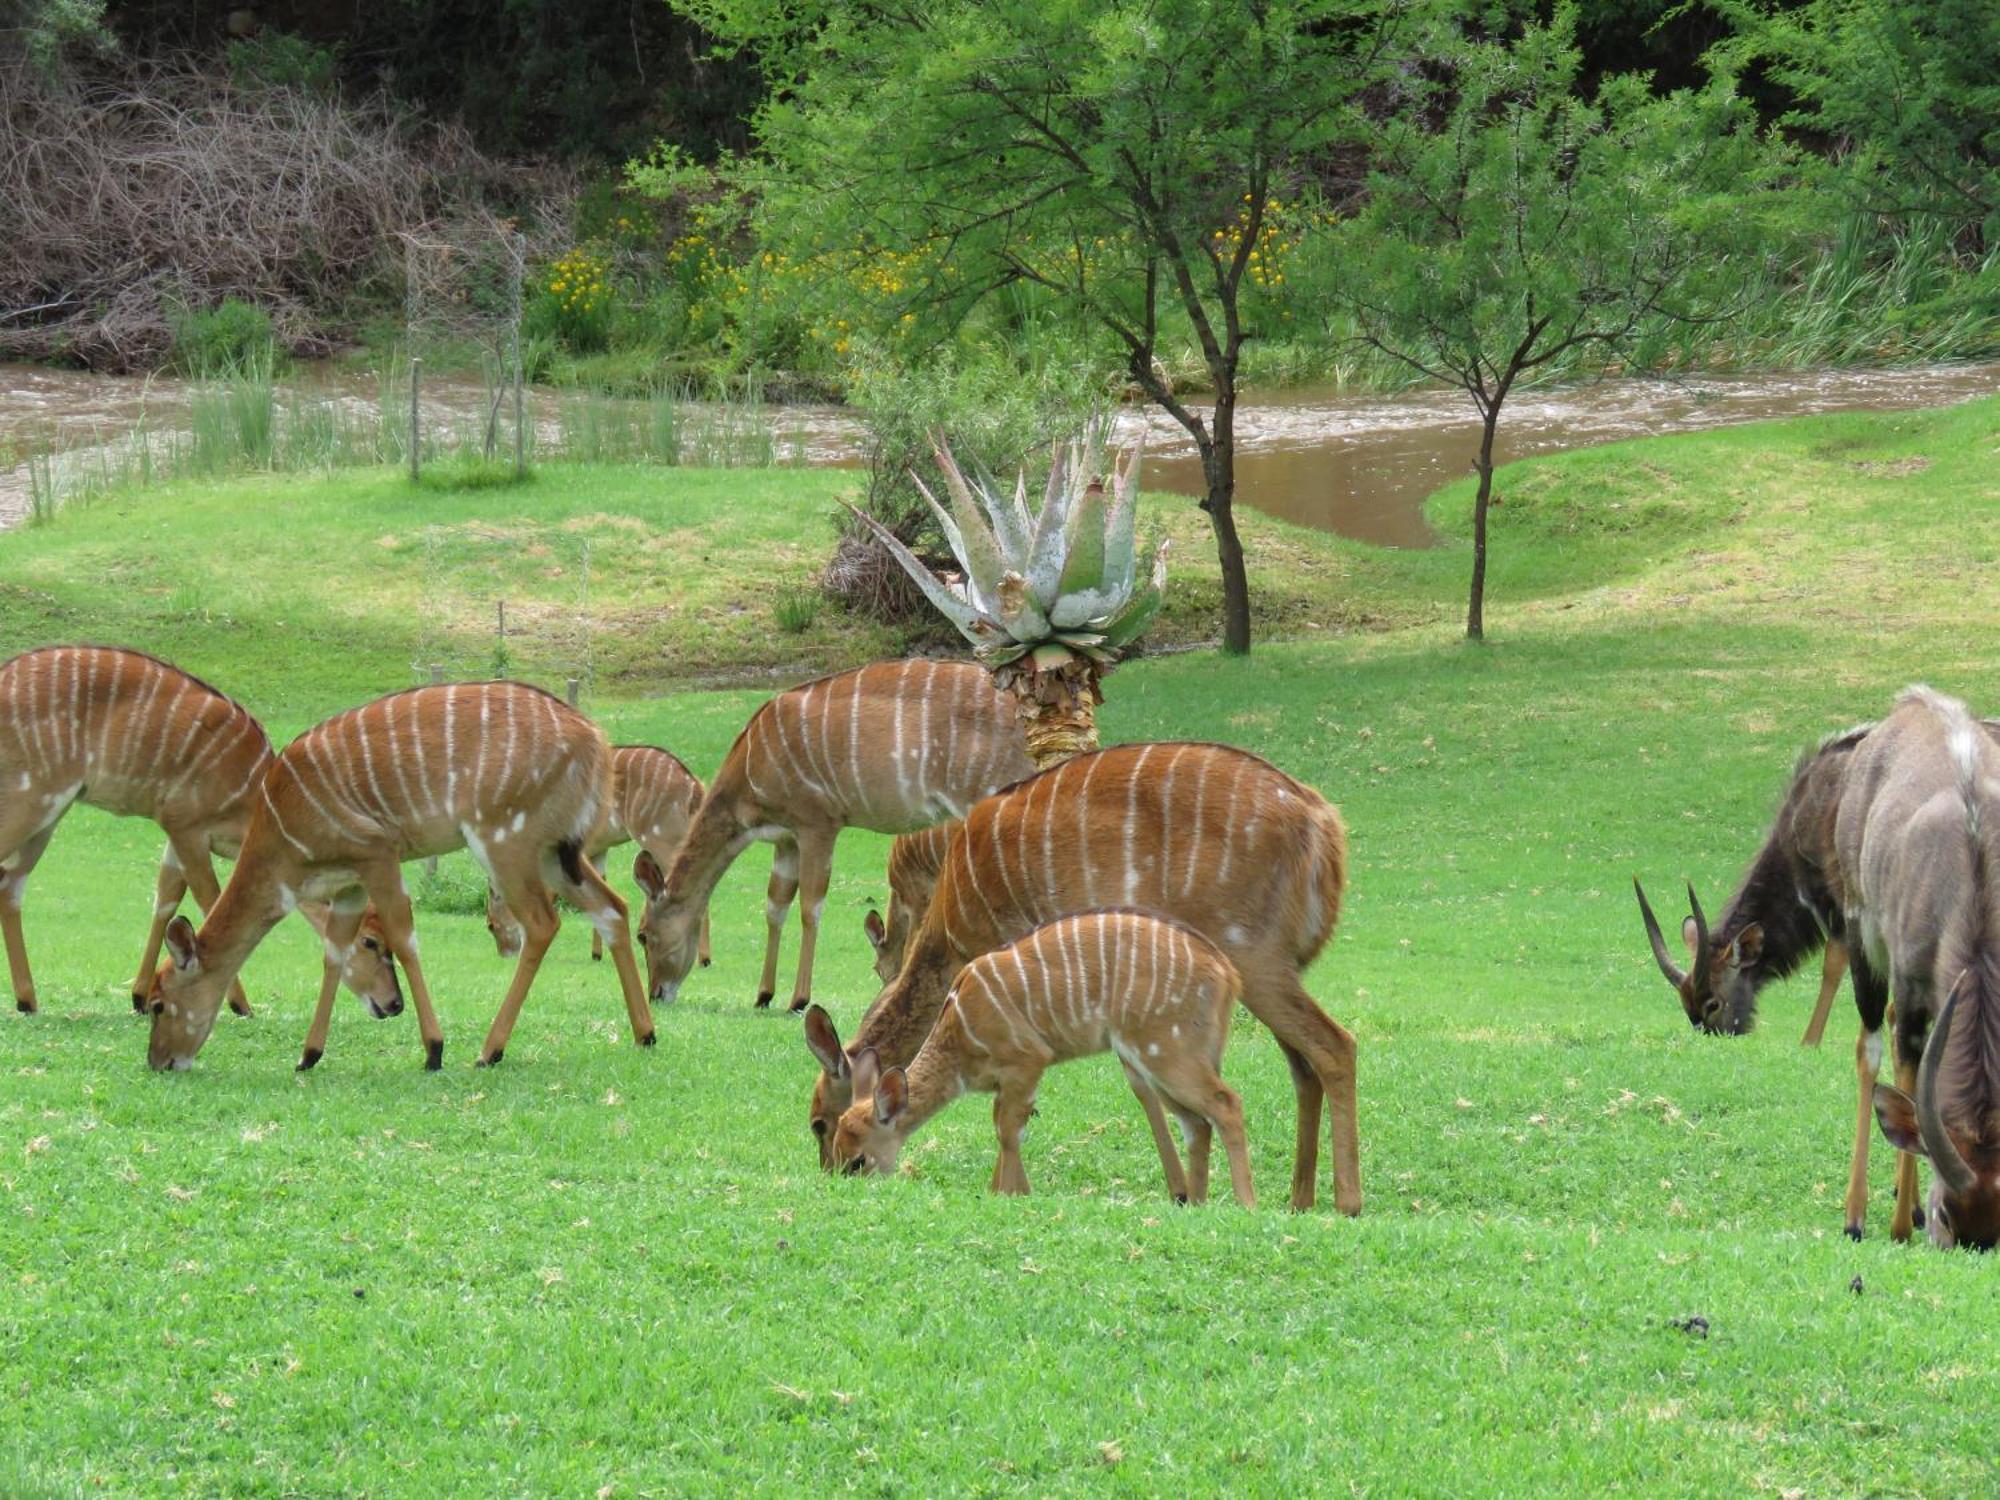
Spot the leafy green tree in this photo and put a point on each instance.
(1120, 157)
(1906, 91)
(1516, 230)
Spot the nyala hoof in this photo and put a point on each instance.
(138, 1004)
(434, 1055)
(311, 1056)
(1853, 1232)
(706, 962)
(764, 998)
(490, 1062)
(801, 1003)
(649, 1039)
(596, 957)
(27, 1007)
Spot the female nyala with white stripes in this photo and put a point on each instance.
(1204, 834)
(893, 747)
(914, 862)
(1156, 993)
(504, 770)
(125, 732)
(654, 800)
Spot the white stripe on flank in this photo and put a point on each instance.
(343, 778)
(1229, 827)
(430, 806)
(1132, 824)
(165, 727)
(409, 808)
(141, 721)
(972, 882)
(30, 716)
(1196, 827)
(114, 700)
(278, 822)
(1051, 896)
(450, 755)
(924, 782)
(485, 738)
(1167, 818)
(900, 702)
(303, 775)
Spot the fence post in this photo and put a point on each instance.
(417, 436)
(570, 694)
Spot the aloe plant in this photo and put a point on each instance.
(1048, 600)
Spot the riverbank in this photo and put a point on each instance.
(643, 579)
(210, 1273)
(1331, 459)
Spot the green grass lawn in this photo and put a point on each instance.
(596, 1270)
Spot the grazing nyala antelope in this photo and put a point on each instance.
(1916, 840)
(914, 862)
(504, 770)
(1786, 907)
(654, 800)
(892, 747)
(125, 732)
(1155, 992)
(1202, 834)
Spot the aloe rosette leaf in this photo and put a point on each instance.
(1052, 598)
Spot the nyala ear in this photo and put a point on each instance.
(181, 945)
(1748, 946)
(892, 1097)
(1689, 933)
(1897, 1113)
(878, 935)
(824, 1042)
(652, 880)
(867, 1071)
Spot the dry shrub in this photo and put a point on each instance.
(154, 186)
(868, 581)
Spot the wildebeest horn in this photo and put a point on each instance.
(1675, 976)
(1938, 1145)
(1700, 936)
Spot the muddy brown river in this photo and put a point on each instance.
(1357, 465)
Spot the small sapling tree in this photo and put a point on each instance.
(1516, 229)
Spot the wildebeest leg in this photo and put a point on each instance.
(1871, 1000)
(1912, 1025)
(1829, 986)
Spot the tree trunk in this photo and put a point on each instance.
(1475, 616)
(1057, 704)
(1219, 467)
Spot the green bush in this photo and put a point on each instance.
(232, 337)
(796, 609)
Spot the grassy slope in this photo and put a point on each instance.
(366, 575)
(595, 1267)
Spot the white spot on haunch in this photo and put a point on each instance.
(26, 781)
(1236, 933)
(1152, 1049)
(520, 822)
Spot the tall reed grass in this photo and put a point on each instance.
(243, 420)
